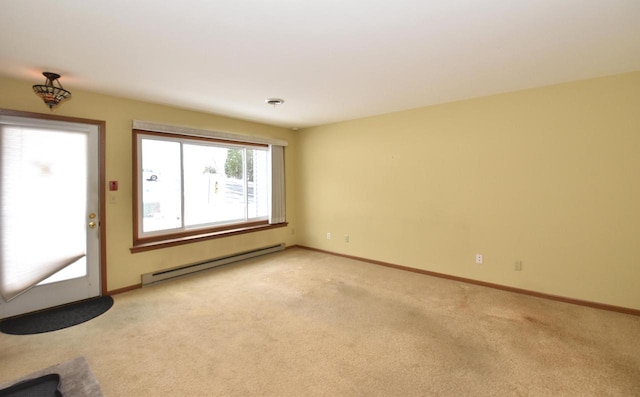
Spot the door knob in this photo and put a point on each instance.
(92, 225)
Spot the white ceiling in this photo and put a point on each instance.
(330, 60)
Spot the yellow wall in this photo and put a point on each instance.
(123, 267)
(548, 176)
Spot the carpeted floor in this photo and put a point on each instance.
(307, 323)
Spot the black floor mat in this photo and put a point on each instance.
(56, 318)
(44, 386)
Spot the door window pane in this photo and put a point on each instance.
(43, 212)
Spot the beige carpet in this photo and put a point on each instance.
(303, 323)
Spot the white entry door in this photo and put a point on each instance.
(49, 213)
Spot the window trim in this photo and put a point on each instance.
(207, 134)
(180, 240)
(192, 235)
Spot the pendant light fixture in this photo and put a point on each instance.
(50, 94)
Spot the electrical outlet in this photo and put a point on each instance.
(346, 238)
(328, 236)
(517, 266)
(479, 259)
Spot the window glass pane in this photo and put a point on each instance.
(161, 185)
(233, 186)
(190, 184)
(213, 185)
(258, 188)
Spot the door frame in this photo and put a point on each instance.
(101, 125)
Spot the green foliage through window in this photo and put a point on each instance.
(233, 165)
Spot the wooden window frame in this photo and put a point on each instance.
(163, 240)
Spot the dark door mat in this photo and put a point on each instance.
(56, 318)
(44, 386)
(76, 378)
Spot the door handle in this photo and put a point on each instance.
(92, 225)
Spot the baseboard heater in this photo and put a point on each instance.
(180, 271)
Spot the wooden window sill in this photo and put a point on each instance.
(142, 246)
